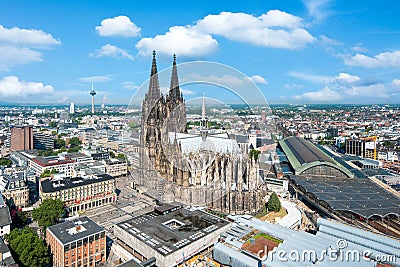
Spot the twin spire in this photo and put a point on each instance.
(154, 86)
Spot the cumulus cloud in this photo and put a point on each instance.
(120, 26)
(346, 78)
(109, 50)
(325, 95)
(95, 79)
(349, 88)
(258, 79)
(25, 37)
(185, 40)
(382, 60)
(12, 86)
(275, 28)
(20, 46)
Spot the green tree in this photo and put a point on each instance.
(5, 162)
(121, 156)
(74, 142)
(30, 249)
(53, 124)
(274, 203)
(254, 153)
(49, 212)
(59, 143)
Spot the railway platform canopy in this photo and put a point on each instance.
(306, 158)
(362, 197)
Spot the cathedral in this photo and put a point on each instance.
(208, 170)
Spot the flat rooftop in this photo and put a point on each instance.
(173, 231)
(75, 229)
(49, 186)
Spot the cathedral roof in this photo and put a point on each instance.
(219, 143)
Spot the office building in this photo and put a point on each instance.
(79, 242)
(365, 147)
(171, 234)
(21, 138)
(43, 141)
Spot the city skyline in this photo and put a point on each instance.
(316, 51)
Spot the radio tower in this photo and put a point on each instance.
(92, 93)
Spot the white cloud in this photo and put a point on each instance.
(258, 79)
(63, 99)
(293, 86)
(109, 50)
(130, 85)
(358, 48)
(183, 40)
(25, 37)
(345, 78)
(321, 79)
(20, 46)
(187, 92)
(382, 60)
(317, 8)
(350, 88)
(395, 82)
(11, 56)
(12, 86)
(274, 29)
(370, 91)
(120, 26)
(95, 79)
(325, 95)
(224, 80)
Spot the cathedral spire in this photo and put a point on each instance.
(154, 86)
(174, 91)
(204, 122)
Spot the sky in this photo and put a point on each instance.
(294, 52)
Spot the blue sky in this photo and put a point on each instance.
(316, 51)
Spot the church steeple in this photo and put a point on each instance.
(204, 121)
(154, 86)
(174, 91)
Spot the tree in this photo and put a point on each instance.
(74, 142)
(53, 124)
(254, 153)
(274, 203)
(5, 162)
(30, 249)
(49, 212)
(59, 143)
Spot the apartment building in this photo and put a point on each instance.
(79, 242)
(116, 167)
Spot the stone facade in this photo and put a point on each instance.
(203, 169)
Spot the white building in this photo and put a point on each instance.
(72, 108)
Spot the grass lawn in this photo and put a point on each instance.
(273, 214)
